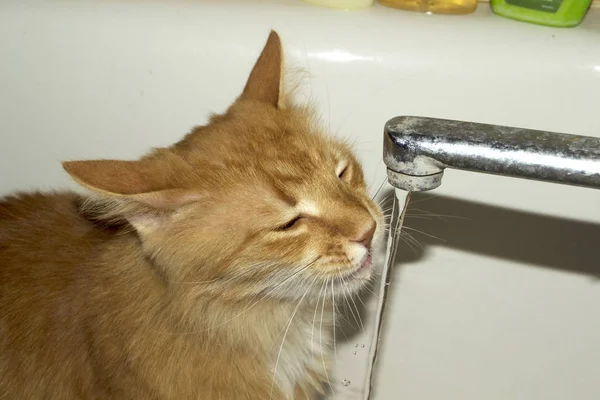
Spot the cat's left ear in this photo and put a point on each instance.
(137, 181)
(264, 82)
(138, 184)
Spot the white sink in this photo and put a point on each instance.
(505, 307)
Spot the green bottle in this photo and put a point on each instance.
(562, 13)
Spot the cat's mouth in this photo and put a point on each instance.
(365, 267)
(362, 272)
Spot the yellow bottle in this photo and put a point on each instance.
(434, 6)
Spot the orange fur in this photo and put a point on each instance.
(204, 270)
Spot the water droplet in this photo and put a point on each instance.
(356, 352)
(363, 346)
(346, 382)
(356, 345)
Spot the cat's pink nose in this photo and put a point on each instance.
(366, 237)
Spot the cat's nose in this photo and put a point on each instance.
(366, 236)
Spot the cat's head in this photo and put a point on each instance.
(259, 201)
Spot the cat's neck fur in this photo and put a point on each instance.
(185, 318)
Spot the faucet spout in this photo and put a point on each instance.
(418, 149)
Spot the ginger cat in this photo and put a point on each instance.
(205, 270)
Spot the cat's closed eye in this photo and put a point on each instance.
(342, 170)
(290, 224)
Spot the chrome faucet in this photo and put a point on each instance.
(418, 149)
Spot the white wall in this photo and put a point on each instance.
(504, 306)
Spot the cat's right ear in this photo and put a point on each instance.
(264, 82)
(136, 181)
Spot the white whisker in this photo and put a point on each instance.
(429, 213)
(410, 245)
(423, 233)
(413, 202)
(321, 342)
(283, 340)
(312, 331)
(355, 306)
(379, 189)
(372, 181)
(333, 319)
(348, 303)
(408, 238)
(252, 305)
(368, 287)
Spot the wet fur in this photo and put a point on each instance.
(179, 276)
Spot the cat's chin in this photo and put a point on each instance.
(362, 272)
(357, 278)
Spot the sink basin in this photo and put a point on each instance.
(499, 298)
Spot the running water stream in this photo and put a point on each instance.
(399, 207)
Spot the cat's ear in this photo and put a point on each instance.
(264, 83)
(130, 180)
